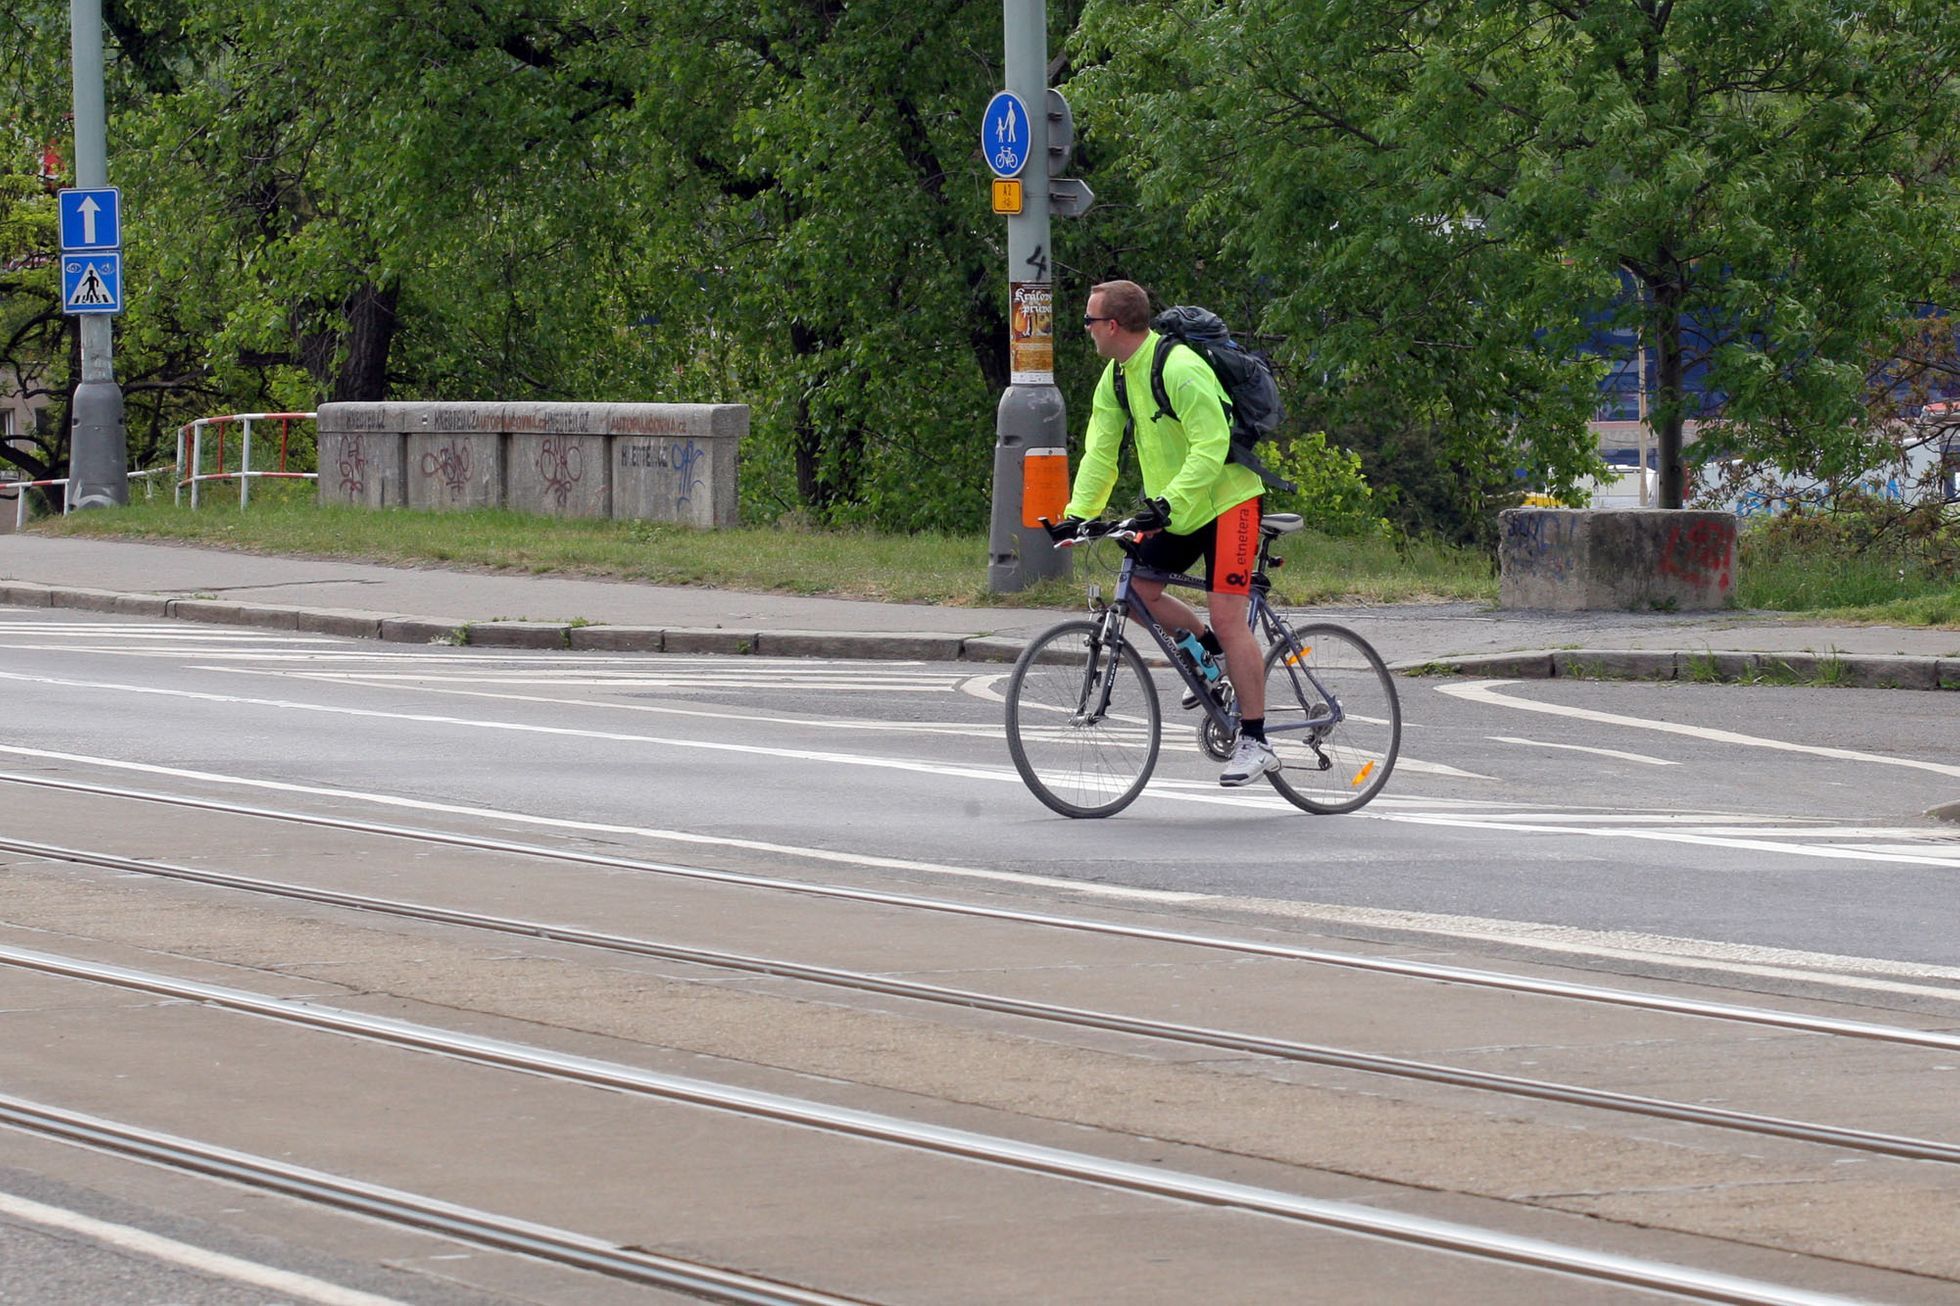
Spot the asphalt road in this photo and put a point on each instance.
(1778, 818)
(1736, 838)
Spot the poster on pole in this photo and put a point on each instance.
(1031, 333)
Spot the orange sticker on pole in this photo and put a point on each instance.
(1044, 486)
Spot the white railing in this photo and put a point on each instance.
(194, 434)
(20, 489)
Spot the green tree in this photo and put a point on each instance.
(1454, 199)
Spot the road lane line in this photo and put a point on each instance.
(1484, 691)
(1581, 748)
(993, 774)
(1720, 956)
(595, 827)
(203, 1261)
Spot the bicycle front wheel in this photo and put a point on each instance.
(1083, 725)
(1333, 717)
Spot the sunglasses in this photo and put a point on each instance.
(1088, 321)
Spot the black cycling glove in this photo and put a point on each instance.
(1065, 529)
(1155, 515)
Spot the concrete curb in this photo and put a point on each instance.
(1706, 665)
(1842, 670)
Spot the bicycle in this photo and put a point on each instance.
(1084, 724)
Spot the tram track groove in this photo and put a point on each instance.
(411, 1210)
(1102, 1172)
(1938, 1040)
(1050, 1013)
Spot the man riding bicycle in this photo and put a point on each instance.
(1199, 504)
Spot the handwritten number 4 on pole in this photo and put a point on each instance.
(1039, 262)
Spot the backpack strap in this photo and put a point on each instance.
(1157, 388)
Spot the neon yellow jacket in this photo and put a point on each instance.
(1183, 458)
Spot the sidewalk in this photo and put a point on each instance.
(418, 604)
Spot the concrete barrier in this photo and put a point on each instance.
(1571, 559)
(654, 462)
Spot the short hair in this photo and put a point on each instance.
(1127, 302)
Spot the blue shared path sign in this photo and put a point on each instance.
(91, 219)
(1005, 135)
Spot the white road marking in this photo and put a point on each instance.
(595, 827)
(1581, 748)
(968, 772)
(1700, 954)
(199, 1259)
(1484, 691)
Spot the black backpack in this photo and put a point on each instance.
(1252, 397)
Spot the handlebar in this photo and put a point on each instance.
(1123, 532)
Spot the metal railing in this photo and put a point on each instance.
(194, 433)
(20, 489)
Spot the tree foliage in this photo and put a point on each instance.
(1426, 210)
(1453, 200)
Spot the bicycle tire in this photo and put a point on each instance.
(1081, 768)
(1359, 751)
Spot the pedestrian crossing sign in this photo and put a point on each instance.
(91, 283)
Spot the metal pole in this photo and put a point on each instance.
(98, 450)
(1032, 414)
(245, 470)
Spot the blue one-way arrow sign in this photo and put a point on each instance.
(91, 219)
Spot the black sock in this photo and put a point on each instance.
(1210, 640)
(1253, 727)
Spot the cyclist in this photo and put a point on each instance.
(1199, 505)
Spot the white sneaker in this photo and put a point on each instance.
(1250, 760)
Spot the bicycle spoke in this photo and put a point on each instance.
(1333, 717)
(1079, 761)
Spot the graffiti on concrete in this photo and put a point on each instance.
(352, 465)
(1701, 554)
(562, 465)
(1540, 542)
(451, 465)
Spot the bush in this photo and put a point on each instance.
(1333, 496)
(1863, 550)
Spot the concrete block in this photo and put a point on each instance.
(711, 641)
(681, 468)
(263, 616)
(1947, 674)
(1711, 666)
(558, 475)
(846, 644)
(349, 622)
(1535, 665)
(1614, 664)
(423, 630)
(619, 639)
(519, 634)
(1868, 671)
(142, 605)
(452, 470)
(1800, 667)
(1567, 559)
(361, 468)
(25, 594)
(991, 648)
(83, 600)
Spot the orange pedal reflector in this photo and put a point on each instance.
(1361, 775)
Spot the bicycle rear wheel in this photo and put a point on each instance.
(1338, 766)
(1078, 757)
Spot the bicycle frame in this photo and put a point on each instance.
(1259, 614)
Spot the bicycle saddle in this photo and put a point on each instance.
(1281, 523)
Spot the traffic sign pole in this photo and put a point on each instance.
(98, 450)
(1032, 417)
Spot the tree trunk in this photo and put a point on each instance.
(371, 326)
(1671, 401)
